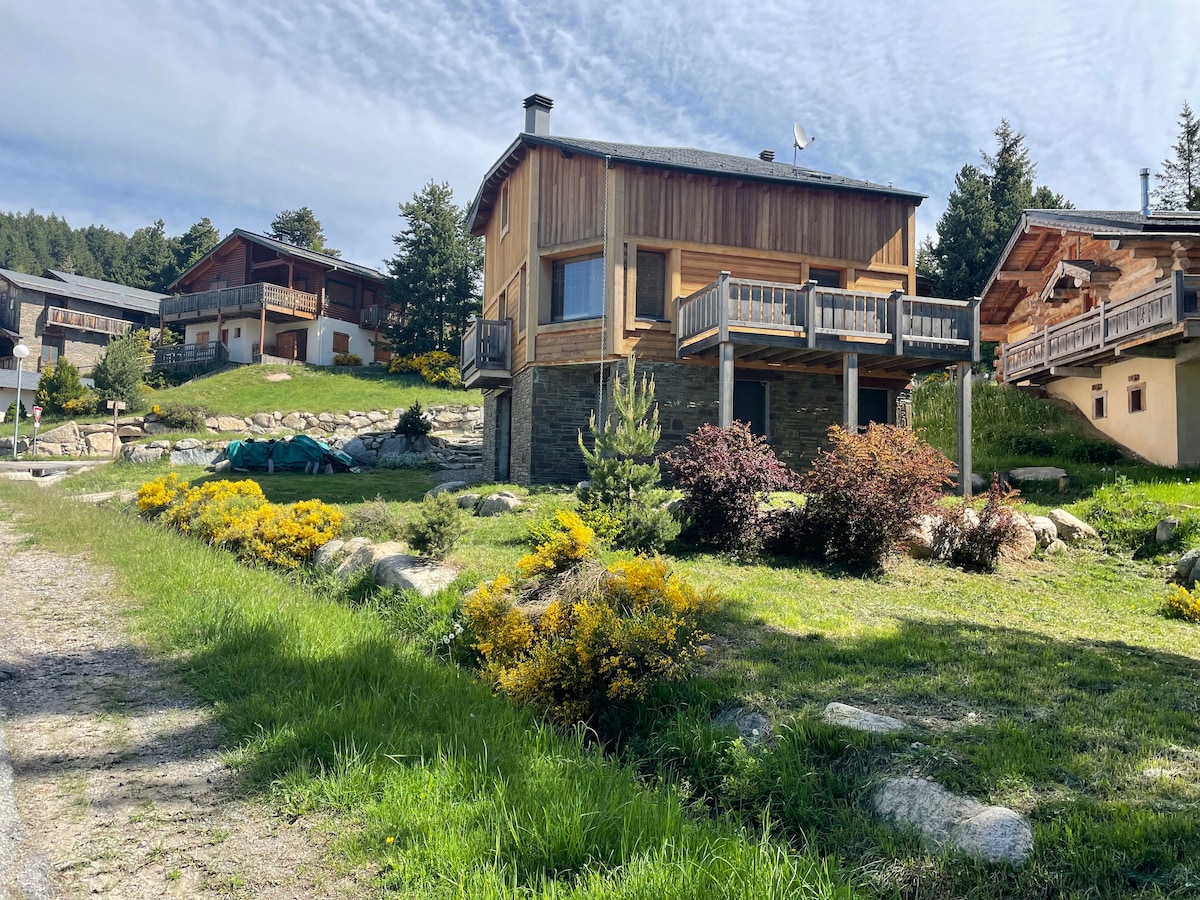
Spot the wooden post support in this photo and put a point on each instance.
(117, 406)
(723, 318)
(850, 392)
(965, 381)
(810, 313)
(262, 332)
(725, 378)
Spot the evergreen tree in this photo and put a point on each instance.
(623, 474)
(300, 228)
(150, 258)
(60, 392)
(120, 372)
(190, 246)
(1179, 180)
(435, 273)
(983, 209)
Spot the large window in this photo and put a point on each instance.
(578, 289)
(339, 292)
(651, 284)
(825, 277)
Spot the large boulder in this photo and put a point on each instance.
(395, 445)
(195, 456)
(99, 443)
(861, 719)
(136, 453)
(919, 542)
(364, 555)
(944, 819)
(402, 572)
(1023, 542)
(230, 423)
(1036, 473)
(1071, 529)
(1187, 570)
(1044, 528)
(67, 433)
(357, 449)
(444, 487)
(496, 504)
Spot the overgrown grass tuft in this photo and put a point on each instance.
(441, 788)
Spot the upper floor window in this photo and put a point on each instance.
(504, 208)
(651, 301)
(340, 292)
(825, 277)
(577, 291)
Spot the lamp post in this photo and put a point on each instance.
(20, 351)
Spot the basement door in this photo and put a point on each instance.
(750, 405)
(872, 406)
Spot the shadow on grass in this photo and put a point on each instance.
(1098, 741)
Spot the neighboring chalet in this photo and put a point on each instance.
(750, 289)
(1098, 307)
(63, 315)
(255, 299)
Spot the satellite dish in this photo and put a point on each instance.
(800, 140)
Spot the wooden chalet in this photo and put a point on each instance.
(751, 289)
(255, 299)
(1100, 308)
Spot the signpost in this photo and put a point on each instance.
(117, 406)
(37, 421)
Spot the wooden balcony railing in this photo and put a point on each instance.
(182, 357)
(1099, 331)
(248, 298)
(73, 318)
(487, 352)
(822, 318)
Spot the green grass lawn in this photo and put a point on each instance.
(245, 390)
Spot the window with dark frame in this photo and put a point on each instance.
(504, 208)
(831, 278)
(341, 293)
(651, 300)
(1100, 406)
(341, 342)
(577, 288)
(1137, 398)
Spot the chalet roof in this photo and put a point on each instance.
(330, 263)
(682, 159)
(89, 289)
(1100, 223)
(29, 380)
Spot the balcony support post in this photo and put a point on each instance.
(725, 379)
(897, 300)
(850, 392)
(964, 428)
(262, 331)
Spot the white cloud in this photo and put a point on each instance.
(128, 111)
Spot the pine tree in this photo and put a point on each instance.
(190, 246)
(623, 474)
(1179, 180)
(119, 373)
(60, 392)
(300, 228)
(435, 273)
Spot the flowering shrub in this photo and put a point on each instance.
(236, 515)
(605, 635)
(564, 546)
(973, 539)
(347, 359)
(1183, 604)
(437, 367)
(864, 493)
(722, 473)
(155, 496)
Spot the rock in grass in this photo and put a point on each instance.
(944, 819)
(1165, 530)
(1024, 541)
(1037, 473)
(1187, 569)
(327, 552)
(469, 501)
(1055, 547)
(1044, 528)
(402, 572)
(1071, 529)
(443, 487)
(753, 726)
(496, 504)
(860, 719)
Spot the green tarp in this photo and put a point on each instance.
(295, 454)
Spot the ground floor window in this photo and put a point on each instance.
(1137, 398)
(1100, 405)
(341, 342)
(52, 348)
(577, 290)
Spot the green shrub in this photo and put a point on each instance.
(412, 422)
(347, 359)
(181, 416)
(375, 519)
(405, 461)
(1183, 604)
(119, 373)
(12, 412)
(864, 494)
(973, 539)
(61, 393)
(723, 472)
(1125, 517)
(437, 527)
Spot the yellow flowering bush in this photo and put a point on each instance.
(570, 542)
(1183, 604)
(236, 515)
(436, 367)
(155, 496)
(605, 634)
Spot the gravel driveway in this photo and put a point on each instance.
(111, 782)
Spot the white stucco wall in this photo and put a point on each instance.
(1187, 402)
(319, 351)
(1152, 433)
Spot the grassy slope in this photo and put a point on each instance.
(245, 390)
(442, 789)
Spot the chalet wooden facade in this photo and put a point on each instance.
(751, 289)
(63, 315)
(1101, 308)
(256, 299)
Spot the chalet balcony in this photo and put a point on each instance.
(189, 357)
(818, 326)
(73, 318)
(1146, 324)
(251, 299)
(487, 353)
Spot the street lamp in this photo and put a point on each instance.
(20, 351)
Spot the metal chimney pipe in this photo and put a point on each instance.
(537, 114)
(1145, 192)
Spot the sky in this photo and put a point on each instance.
(120, 112)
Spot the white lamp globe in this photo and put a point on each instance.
(20, 351)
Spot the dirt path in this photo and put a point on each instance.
(110, 780)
